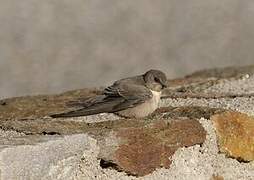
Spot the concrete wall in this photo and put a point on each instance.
(54, 45)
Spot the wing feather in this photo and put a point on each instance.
(117, 97)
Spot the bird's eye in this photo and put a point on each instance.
(156, 80)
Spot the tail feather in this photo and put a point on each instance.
(76, 113)
(106, 105)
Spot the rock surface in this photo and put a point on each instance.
(34, 146)
(43, 157)
(236, 134)
(140, 150)
(32, 107)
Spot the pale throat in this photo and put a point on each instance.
(156, 93)
(156, 97)
(154, 87)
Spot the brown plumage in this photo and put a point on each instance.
(136, 96)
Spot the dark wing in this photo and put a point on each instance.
(131, 95)
(117, 97)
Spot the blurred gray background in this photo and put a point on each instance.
(49, 46)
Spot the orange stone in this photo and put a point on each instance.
(235, 133)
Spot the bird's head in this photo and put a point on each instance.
(155, 80)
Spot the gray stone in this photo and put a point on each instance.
(51, 157)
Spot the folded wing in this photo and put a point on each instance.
(117, 97)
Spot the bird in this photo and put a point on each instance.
(133, 97)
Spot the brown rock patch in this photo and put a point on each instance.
(31, 107)
(235, 134)
(217, 177)
(149, 147)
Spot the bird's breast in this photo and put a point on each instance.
(143, 109)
